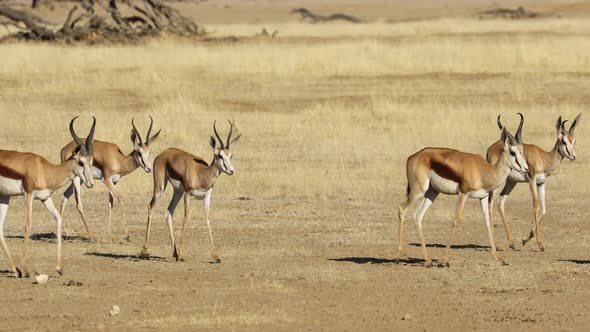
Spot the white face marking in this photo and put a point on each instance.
(225, 163)
(144, 159)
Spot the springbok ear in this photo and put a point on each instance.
(235, 140)
(154, 137)
(134, 138)
(575, 123)
(505, 140)
(212, 143)
(558, 124)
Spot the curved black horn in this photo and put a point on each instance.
(562, 129)
(147, 139)
(518, 135)
(231, 129)
(90, 137)
(75, 137)
(216, 134)
(499, 123)
(135, 128)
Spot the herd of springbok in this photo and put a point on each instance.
(429, 172)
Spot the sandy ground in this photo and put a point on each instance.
(300, 254)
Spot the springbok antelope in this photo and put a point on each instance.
(189, 176)
(541, 165)
(438, 170)
(110, 165)
(32, 176)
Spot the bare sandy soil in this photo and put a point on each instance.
(306, 228)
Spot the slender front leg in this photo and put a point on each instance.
(111, 203)
(485, 209)
(207, 201)
(184, 221)
(428, 200)
(456, 222)
(49, 205)
(503, 197)
(28, 225)
(412, 197)
(535, 228)
(65, 196)
(155, 198)
(543, 211)
(4, 200)
(78, 191)
(109, 183)
(169, 213)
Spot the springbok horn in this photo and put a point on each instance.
(518, 135)
(231, 129)
(75, 137)
(147, 139)
(562, 129)
(136, 131)
(217, 134)
(499, 123)
(90, 137)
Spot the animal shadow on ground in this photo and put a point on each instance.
(575, 261)
(374, 260)
(455, 246)
(50, 236)
(135, 257)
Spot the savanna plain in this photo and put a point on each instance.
(306, 228)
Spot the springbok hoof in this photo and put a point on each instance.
(216, 260)
(127, 238)
(398, 255)
(502, 262)
(428, 264)
(59, 271)
(144, 254)
(541, 249)
(18, 273)
(512, 246)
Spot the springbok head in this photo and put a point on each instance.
(83, 154)
(566, 138)
(142, 149)
(222, 153)
(512, 145)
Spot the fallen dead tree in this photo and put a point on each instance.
(518, 13)
(101, 20)
(308, 15)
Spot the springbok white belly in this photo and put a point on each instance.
(42, 194)
(200, 193)
(443, 185)
(10, 187)
(96, 173)
(516, 176)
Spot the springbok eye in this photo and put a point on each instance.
(512, 153)
(80, 163)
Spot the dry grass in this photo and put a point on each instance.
(300, 105)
